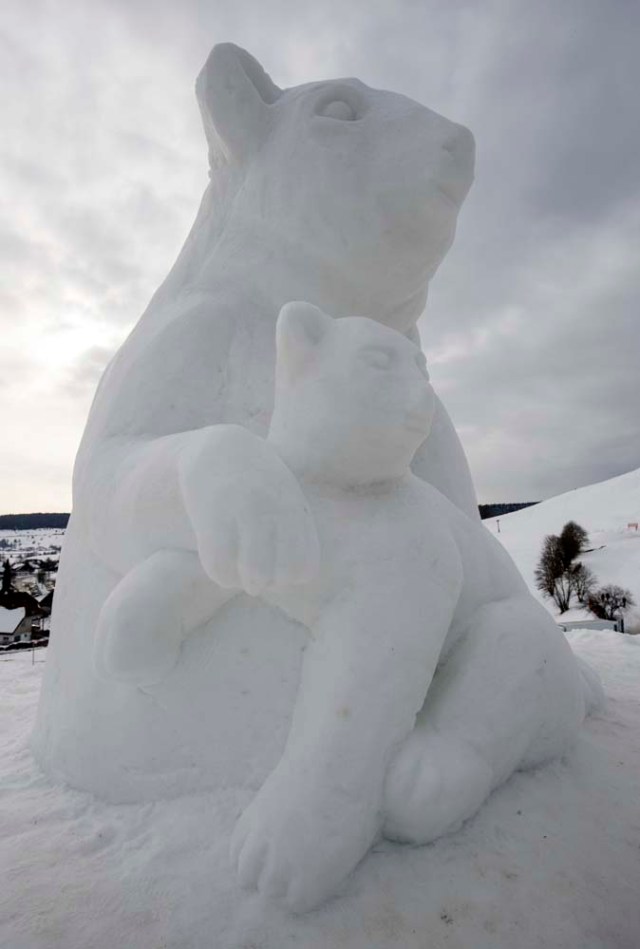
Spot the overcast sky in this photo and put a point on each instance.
(532, 329)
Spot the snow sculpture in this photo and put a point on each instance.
(161, 677)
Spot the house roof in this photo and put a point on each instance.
(13, 599)
(9, 619)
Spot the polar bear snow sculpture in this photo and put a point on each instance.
(333, 193)
(404, 583)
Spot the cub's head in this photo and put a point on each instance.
(364, 186)
(353, 400)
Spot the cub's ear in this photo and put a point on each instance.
(300, 331)
(234, 93)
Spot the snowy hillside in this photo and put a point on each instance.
(604, 510)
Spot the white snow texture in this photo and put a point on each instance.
(297, 614)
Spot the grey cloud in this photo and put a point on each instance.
(86, 372)
(563, 398)
(571, 93)
(18, 250)
(28, 172)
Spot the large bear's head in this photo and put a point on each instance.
(353, 400)
(359, 186)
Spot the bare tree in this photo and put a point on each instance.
(573, 540)
(583, 581)
(7, 576)
(551, 575)
(557, 576)
(609, 601)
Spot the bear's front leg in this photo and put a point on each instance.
(366, 672)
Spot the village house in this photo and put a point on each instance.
(12, 626)
(24, 618)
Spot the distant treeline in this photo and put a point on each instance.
(24, 522)
(497, 510)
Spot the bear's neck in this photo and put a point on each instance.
(262, 266)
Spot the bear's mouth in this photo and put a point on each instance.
(449, 193)
(453, 182)
(418, 422)
(455, 173)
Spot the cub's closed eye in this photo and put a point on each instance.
(377, 358)
(337, 109)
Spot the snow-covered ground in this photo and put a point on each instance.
(604, 510)
(552, 860)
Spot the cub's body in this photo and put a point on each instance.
(390, 527)
(404, 589)
(431, 673)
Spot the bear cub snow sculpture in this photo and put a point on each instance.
(406, 592)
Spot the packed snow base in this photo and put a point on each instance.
(551, 861)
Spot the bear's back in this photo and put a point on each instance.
(213, 362)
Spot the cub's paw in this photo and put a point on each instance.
(253, 526)
(259, 539)
(292, 847)
(432, 786)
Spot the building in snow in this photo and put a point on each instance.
(12, 626)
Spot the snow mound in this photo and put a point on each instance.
(550, 862)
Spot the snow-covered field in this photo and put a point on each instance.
(552, 860)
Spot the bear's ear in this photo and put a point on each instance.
(234, 93)
(300, 331)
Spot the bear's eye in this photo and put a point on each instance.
(337, 109)
(377, 358)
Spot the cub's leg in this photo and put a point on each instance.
(367, 667)
(509, 696)
(149, 614)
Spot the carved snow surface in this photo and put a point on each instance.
(301, 614)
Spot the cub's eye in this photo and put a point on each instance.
(377, 358)
(337, 109)
(421, 362)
